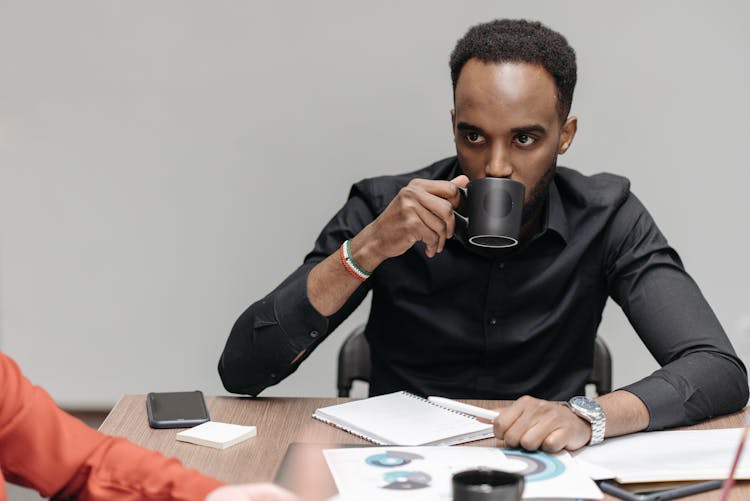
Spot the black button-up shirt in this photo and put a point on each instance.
(467, 324)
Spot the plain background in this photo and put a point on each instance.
(163, 164)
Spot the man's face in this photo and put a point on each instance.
(506, 124)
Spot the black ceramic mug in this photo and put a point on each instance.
(484, 484)
(492, 211)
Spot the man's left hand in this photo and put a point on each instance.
(536, 424)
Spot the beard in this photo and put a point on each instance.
(539, 195)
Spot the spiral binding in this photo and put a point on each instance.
(348, 430)
(454, 411)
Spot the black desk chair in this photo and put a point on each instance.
(354, 363)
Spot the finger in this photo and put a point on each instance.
(442, 208)
(436, 224)
(446, 190)
(416, 221)
(432, 195)
(446, 223)
(462, 180)
(540, 427)
(517, 430)
(555, 441)
(506, 419)
(531, 439)
(430, 231)
(422, 197)
(520, 416)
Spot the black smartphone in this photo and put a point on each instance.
(617, 490)
(179, 409)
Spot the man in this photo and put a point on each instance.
(450, 319)
(46, 449)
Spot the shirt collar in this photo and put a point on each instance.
(555, 219)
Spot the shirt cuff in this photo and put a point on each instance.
(664, 404)
(297, 317)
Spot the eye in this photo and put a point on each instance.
(474, 137)
(525, 140)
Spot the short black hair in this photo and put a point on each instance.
(518, 40)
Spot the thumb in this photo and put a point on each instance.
(460, 181)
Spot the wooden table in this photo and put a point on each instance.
(280, 422)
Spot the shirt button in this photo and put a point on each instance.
(501, 266)
(493, 321)
(314, 334)
(273, 376)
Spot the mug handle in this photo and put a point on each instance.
(464, 195)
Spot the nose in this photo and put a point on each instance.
(498, 164)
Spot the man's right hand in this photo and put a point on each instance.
(422, 211)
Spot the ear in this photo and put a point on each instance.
(453, 121)
(569, 129)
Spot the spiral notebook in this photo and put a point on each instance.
(402, 418)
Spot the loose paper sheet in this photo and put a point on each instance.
(669, 455)
(424, 473)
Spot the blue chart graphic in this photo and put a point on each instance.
(406, 480)
(399, 480)
(539, 466)
(390, 459)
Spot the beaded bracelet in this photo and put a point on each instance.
(345, 253)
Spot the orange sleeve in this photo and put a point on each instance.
(46, 449)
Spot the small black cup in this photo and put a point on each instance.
(484, 484)
(493, 209)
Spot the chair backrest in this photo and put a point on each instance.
(355, 364)
(601, 374)
(354, 361)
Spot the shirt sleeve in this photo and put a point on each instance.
(276, 334)
(46, 449)
(701, 375)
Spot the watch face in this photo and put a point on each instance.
(586, 404)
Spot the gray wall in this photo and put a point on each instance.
(164, 164)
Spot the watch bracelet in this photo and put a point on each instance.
(597, 431)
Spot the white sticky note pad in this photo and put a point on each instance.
(217, 435)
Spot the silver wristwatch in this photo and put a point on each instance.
(590, 410)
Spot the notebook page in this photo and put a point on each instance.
(403, 419)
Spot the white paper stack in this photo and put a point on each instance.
(664, 456)
(217, 435)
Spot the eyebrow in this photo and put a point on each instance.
(524, 129)
(463, 126)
